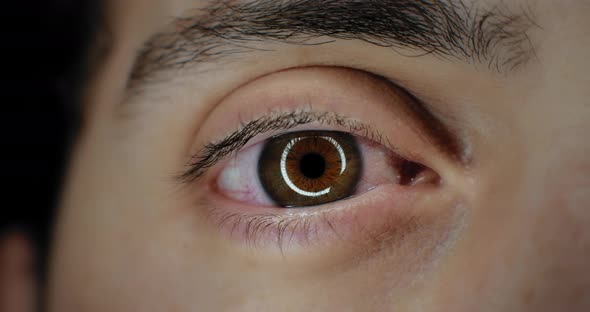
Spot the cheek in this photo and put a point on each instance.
(560, 214)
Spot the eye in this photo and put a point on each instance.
(309, 168)
(306, 164)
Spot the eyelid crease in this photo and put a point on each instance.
(433, 129)
(216, 151)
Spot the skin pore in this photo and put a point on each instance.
(497, 108)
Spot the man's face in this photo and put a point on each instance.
(317, 155)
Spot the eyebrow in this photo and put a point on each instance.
(496, 37)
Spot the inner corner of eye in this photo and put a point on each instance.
(413, 173)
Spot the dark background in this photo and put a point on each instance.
(46, 46)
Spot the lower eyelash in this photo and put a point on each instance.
(262, 229)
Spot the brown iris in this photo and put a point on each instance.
(310, 167)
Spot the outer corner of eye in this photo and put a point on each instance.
(415, 174)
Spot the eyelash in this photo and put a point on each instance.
(284, 229)
(214, 152)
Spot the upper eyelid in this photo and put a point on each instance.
(419, 114)
(213, 152)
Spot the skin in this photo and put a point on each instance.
(507, 231)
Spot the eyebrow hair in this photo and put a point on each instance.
(495, 37)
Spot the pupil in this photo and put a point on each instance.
(312, 165)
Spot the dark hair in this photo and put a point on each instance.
(49, 50)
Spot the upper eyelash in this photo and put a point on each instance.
(216, 151)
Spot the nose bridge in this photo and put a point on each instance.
(527, 243)
(538, 231)
(558, 197)
(555, 245)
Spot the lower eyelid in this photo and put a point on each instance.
(356, 220)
